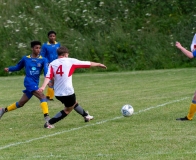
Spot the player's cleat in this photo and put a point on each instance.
(183, 119)
(88, 117)
(2, 111)
(49, 126)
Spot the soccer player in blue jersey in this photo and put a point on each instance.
(192, 109)
(33, 64)
(49, 51)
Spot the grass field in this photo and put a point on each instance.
(152, 133)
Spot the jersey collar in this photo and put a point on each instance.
(51, 44)
(29, 56)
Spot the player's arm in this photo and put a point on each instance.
(47, 78)
(83, 64)
(184, 50)
(94, 64)
(45, 66)
(43, 51)
(17, 67)
(46, 81)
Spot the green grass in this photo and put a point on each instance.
(152, 133)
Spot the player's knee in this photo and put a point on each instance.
(68, 110)
(76, 105)
(19, 104)
(43, 99)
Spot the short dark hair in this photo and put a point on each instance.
(51, 32)
(33, 43)
(62, 50)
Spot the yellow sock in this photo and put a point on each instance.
(192, 111)
(11, 107)
(50, 93)
(44, 106)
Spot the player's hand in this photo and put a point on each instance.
(41, 89)
(6, 69)
(102, 66)
(178, 45)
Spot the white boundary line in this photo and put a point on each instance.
(88, 125)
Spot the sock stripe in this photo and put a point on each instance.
(194, 101)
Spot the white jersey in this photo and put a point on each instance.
(61, 70)
(193, 44)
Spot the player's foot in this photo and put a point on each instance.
(183, 119)
(88, 117)
(48, 125)
(49, 99)
(2, 111)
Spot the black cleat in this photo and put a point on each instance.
(183, 119)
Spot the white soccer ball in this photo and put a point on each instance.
(127, 110)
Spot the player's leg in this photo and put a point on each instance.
(59, 116)
(83, 113)
(192, 110)
(50, 93)
(43, 104)
(24, 99)
(69, 103)
(50, 90)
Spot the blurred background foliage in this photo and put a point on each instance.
(123, 34)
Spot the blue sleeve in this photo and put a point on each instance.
(43, 51)
(45, 65)
(17, 67)
(194, 53)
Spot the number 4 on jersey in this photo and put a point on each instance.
(60, 70)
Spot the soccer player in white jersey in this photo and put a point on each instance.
(190, 54)
(61, 70)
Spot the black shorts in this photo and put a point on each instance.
(68, 101)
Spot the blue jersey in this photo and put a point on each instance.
(49, 51)
(33, 68)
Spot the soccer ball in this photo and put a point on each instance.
(127, 110)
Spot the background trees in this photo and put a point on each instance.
(125, 35)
